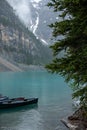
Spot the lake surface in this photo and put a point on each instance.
(54, 102)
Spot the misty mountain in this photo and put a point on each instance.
(45, 17)
(36, 16)
(17, 43)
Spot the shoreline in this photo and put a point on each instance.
(73, 122)
(77, 121)
(6, 66)
(25, 67)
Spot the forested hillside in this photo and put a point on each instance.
(17, 43)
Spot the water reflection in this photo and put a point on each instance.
(54, 101)
(31, 120)
(19, 109)
(26, 119)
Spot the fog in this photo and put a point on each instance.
(22, 9)
(36, 1)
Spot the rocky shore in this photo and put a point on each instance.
(77, 121)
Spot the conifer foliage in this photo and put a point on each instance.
(73, 27)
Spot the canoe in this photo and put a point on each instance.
(17, 102)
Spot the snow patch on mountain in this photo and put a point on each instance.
(34, 27)
(29, 13)
(44, 42)
(37, 1)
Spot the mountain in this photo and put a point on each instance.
(42, 16)
(36, 16)
(17, 43)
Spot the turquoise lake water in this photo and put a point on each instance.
(54, 102)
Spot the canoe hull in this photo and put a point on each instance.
(18, 104)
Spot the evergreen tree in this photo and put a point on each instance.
(73, 27)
